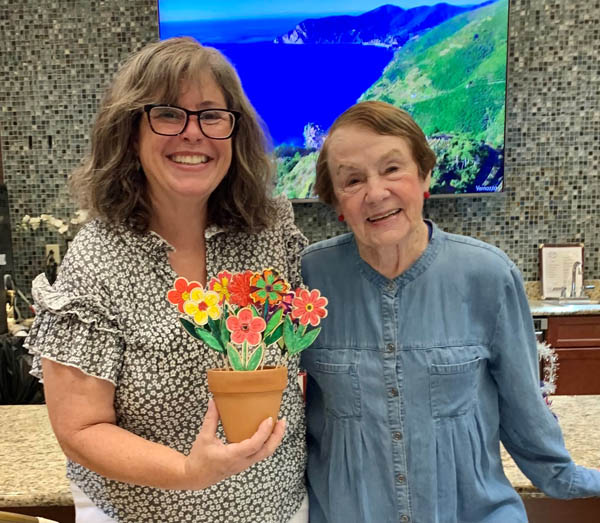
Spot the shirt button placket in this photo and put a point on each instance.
(404, 518)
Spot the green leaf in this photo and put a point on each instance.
(275, 336)
(289, 336)
(225, 334)
(209, 339)
(273, 322)
(256, 358)
(190, 327)
(234, 357)
(306, 341)
(215, 329)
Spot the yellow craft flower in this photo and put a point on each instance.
(202, 305)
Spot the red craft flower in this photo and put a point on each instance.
(239, 289)
(220, 285)
(181, 292)
(245, 327)
(309, 307)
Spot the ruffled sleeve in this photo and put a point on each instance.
(75, 329)
(293, 240)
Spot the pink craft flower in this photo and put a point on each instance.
(181, 292)
(309, 307)
(245, 327)
(220, 285)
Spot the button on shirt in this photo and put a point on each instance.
(413, 382)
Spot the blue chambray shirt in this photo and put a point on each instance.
(413, 383)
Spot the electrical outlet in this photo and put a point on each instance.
(53, 249)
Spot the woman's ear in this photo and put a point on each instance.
(427, 182)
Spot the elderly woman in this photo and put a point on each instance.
(178, 180)
(427, 358)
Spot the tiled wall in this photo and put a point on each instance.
(57, 57)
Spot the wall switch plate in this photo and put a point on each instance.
(53, 249)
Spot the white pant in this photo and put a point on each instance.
(87, 512)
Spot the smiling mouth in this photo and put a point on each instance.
(378, 218)
(189, 159)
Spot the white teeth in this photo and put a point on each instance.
(381, 217)
(189, 159)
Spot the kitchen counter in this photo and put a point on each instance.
(33, 468)
(546, 308)
(541, 307)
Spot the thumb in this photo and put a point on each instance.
(211, 419)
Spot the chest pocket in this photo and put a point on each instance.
(339, 386)
(453, 387)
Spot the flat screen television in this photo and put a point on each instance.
(303, 62)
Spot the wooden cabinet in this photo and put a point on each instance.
(576, 340)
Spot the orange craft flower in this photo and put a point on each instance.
(181, 292)
(239, 289)
(245, 327)
(268, 286)
(220, 285)
(309, 307)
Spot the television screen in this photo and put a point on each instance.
(302, 63)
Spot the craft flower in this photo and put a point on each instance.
(286, 302)
(268, 286)
(181, 292)
(245, 327)
(220, 285)
(201, 305)
(249, 317)
(239, 289)
(309, 307)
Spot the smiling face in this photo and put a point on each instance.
(377, 187)
(188, 167)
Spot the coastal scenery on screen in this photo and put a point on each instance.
(304, 62)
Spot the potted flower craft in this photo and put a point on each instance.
(242, 316)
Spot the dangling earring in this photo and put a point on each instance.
(426, 195)
(340, 218)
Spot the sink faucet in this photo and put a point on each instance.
(574, 272)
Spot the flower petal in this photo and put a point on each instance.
(181, 285)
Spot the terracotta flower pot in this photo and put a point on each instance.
(246, 398)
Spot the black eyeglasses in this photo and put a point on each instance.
(170, 120)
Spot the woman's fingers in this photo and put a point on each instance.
(264, 441)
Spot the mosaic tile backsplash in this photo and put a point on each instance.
(57, 57)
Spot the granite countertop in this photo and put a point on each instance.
(541, 307)
(35, 473)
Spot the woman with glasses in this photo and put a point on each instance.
(177, 182)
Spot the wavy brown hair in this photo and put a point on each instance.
(384, 119)
(110, 182)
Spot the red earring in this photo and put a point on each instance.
(340, 218)
(426, 195)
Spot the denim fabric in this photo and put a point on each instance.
(413, 382)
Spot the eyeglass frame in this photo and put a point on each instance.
(236, 114)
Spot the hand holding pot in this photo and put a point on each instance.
(211, 461)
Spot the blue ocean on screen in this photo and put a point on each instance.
(290, 85)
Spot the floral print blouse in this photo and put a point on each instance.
(107, 315)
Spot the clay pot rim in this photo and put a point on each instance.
(260, 380)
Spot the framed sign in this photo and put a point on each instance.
(561, 270)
